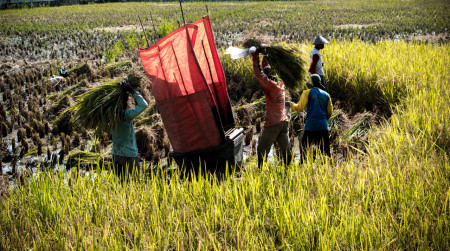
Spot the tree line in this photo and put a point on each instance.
(14, 4)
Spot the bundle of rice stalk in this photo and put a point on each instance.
(119, 67)
(336, 123)
(285, 61)
(145, 139)
(337, 120)
(86, 160)
(358, 130)
(100, 107)
(83, 68)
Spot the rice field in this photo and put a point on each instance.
(385, 187)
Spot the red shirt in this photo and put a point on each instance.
(275, 96)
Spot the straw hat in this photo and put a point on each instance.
(320, 40)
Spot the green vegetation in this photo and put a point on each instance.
(108, 30)
(390, 191)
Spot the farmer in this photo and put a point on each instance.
(125, 153)
(318, 110)
(316, 66)
(276, 125)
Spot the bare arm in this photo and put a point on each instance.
(312, 67)
(262, 78)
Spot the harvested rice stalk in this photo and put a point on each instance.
(150, 120)
(83, 68)
(286, 65)
(61, 104)
(337, 120)
(145, 139)
(63, 123)
(285, 61)
(358, 130)
(86, 160)
(100, 107)
(119, 67)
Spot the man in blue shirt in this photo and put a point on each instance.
(124, 151)
(318, 110)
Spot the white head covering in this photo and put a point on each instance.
(320, 40)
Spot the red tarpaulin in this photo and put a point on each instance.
(188, 83)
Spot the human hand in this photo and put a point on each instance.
(260, 48)
(126, 86)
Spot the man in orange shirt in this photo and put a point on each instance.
(276, 126)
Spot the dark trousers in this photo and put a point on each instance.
(124, 166)
(278, 133)
(324, 83)
(320, 138)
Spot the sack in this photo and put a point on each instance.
(236, 53)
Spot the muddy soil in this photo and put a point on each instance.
(35, 135)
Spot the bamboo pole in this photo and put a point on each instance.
(182, 13)
(187, 94)
(164, 73)
(212, 80)
(214, 109)
(153, 24)
(146, 39)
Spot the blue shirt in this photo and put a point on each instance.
(318, 109)
(123, 138)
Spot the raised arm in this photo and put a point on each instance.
(262, 78)
(141, 104)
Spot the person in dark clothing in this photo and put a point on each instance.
(319, 109)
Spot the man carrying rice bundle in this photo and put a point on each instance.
(276, 126)
(316, 62)
(318, 110)
(125, 152)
